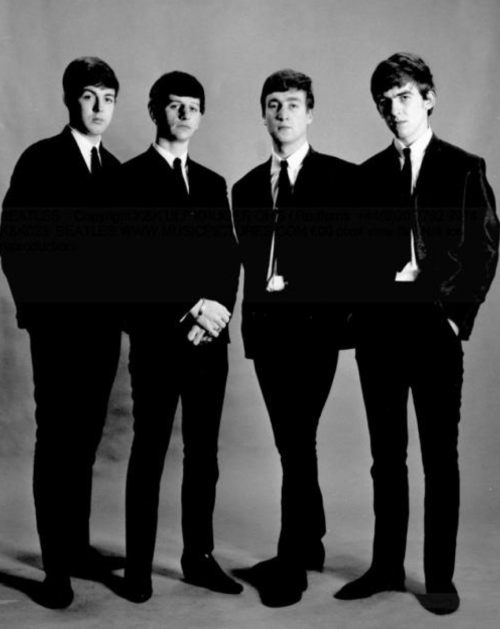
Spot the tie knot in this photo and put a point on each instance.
(407, 153)
(283, 165)
(177, 163)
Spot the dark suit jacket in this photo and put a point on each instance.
(458, 230)
(175, 251)
(55, 234)
(315, 249)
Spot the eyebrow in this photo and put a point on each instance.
(107, 91)
(402, 93)
(289, 99)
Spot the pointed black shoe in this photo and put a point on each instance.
(137, 590)
(54, 593)
(280, 582)
(441, 601)
(372, 582)
(204, 571)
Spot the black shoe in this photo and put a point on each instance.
(314, 557)
(137, 590)
(441, 601)
(372, 582)
(204, 571)
(89, 563)
(55, 593)
(280, 582)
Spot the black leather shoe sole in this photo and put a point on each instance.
(54, 593)
(137, 590)
(204, 571)
(367, 586)
(441, 603)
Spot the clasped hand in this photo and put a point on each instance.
(211, 318)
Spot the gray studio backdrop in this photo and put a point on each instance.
(231, 46)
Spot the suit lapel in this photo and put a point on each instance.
(72, 156)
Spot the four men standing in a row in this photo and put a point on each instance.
(395, 257)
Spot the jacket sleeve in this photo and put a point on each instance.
(478, 251)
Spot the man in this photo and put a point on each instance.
(183, 273)
(426, 284)
(55, 259)
(289, 214)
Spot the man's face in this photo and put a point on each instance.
(181, 120)
(93, 111)
(287, 117)
(406, 111)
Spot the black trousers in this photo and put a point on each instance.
(295, 379)
(401, 348)
(164, 368)
(74, 366)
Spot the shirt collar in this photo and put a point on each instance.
(418, 147)
(294, 160)
(167, 155)
(83, 141)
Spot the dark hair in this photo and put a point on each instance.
(285, 80)
(87, 71)
(399, 69)
(178, 83)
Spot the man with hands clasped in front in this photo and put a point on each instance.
(182, 277)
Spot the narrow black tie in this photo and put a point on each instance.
(406, 179)
(403, 236)
(284, 198)
(179, 179)
(283, 203)
(95, 163)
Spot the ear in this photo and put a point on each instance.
(310, 116)
(430, 100)
(151, 113)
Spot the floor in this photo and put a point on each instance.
(246, 524)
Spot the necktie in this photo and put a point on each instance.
(95, 163)
(284, 198)
(403, 226)
(406, 179)
(179, 179)
(283, 202)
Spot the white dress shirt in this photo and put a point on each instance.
(169, 157)
(294, 164)
(86, 146)
(410, 271)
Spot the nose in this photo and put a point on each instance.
(98, 105)
(281, 113)
(395, 107)
(183, 112)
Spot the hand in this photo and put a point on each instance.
(198, 335)
(212, 317)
